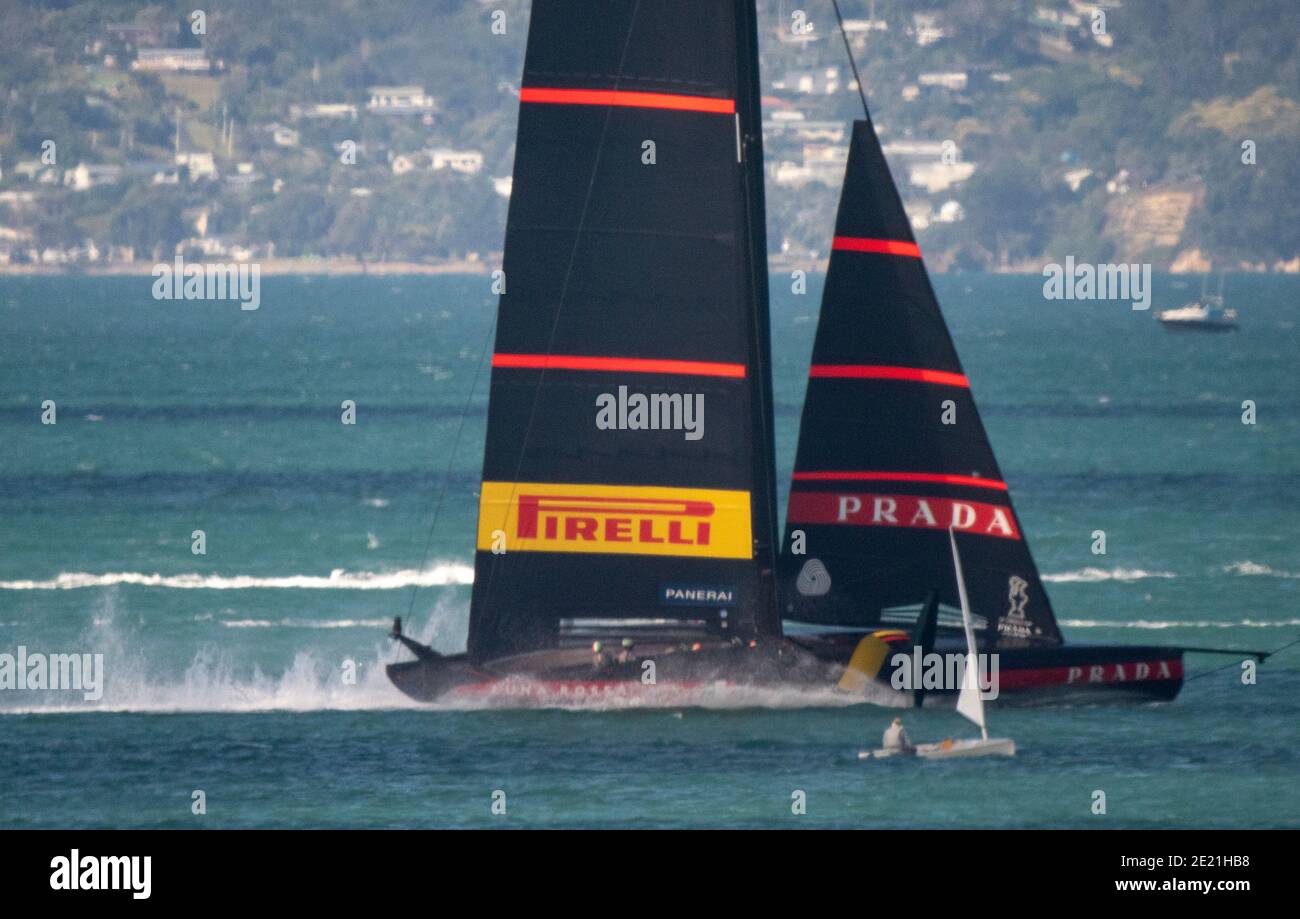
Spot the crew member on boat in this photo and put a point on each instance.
(896, 738)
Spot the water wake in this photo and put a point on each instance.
(441, 575)
(446, 574)
(216, 680)
(316, 679)
(1252, 569)
(212, 683)
(1095, 575)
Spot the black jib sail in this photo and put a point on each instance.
(627, 483)
(891, 448)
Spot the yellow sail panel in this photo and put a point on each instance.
(614, 519)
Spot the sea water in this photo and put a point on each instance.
(253, 673)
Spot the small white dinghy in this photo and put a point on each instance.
(950, 749)
(969, 701)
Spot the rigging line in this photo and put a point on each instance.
(853, 65)
(446, 478)
(1289, 644)
(568, 275)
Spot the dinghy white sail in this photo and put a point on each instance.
(970, 699)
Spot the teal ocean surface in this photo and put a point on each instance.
(226, 672)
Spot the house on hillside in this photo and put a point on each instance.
(857, 30)
(927, 165)
(284, 136)
(18, 199)
(821, 164)
(821, 81)
(937, 176)
(199, 165)
(324, 110)
(468, 162)
(88, 175)
(171, 60)
(410, 162)
(400, 100)
(12, 242)
(914, 149)
(955, 80)
(926, 29)
(29, 169)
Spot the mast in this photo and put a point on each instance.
(750, 129)
(627, 478)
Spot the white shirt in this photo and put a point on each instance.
(896, 738)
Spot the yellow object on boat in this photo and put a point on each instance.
(866, 661)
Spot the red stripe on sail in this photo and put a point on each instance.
(880, 246)
(882, 372)
(624, 98)
(623, 364)
(906, 511)
(936, 478)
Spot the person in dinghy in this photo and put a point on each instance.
(896, 739)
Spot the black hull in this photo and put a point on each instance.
(1067, 674)
(428, 680)
(1063, 675)
(556, 676)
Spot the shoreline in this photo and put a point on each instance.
(341, 267)
(267, 267)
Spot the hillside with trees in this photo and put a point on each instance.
(383, 130)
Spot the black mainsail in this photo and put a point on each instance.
(891, 448)
(636, 285)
